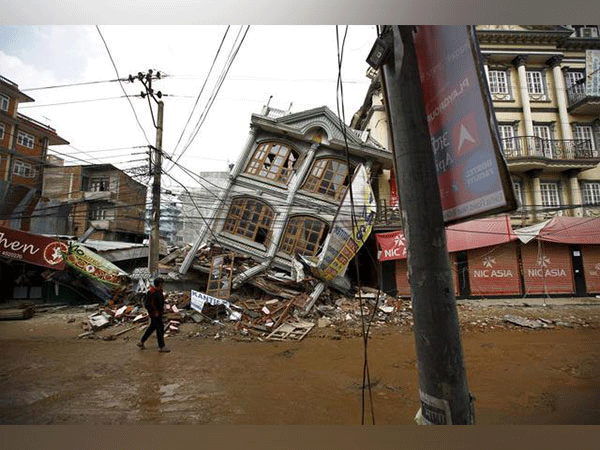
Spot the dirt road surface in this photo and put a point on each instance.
(518, 375)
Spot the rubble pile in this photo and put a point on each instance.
(273, 305)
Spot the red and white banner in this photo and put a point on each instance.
(591, 267)
(472, 175)
(494, 270)
(32, 248)
(547, 268)
(392, 245)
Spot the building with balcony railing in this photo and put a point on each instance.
(23, 149)
(544, 82)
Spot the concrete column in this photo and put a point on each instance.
(537, 197)
(519, 63)
(576, 197)
(486, 66)
(246, 152)
(561, 97)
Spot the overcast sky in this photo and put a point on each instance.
(296, 65)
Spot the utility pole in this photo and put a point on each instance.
(444, 393)
(156, 168)
(155, 217)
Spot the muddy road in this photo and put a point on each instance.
(518, 375)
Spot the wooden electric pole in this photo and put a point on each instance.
(444, 393)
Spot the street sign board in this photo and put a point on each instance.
(472, 174)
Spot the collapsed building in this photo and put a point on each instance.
(286, 189)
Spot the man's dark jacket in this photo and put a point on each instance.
(156, 302)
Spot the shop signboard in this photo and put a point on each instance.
(32, 248)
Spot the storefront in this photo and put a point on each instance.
(556, 257)
(494, 270)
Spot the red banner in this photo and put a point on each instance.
(32, 248)
(547, 269)
(494, 271)
(392, 245)
(591, 265)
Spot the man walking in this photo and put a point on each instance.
(155, 305)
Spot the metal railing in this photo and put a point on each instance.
(533, 146)
(576, 93)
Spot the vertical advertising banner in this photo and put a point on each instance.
(349, 231)
(592, 73)
(472, 174)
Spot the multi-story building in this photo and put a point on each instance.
(100, 196)
(23, 149)
(545, 88)
(547, 104)
(544, 83)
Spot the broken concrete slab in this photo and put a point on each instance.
(523, 322)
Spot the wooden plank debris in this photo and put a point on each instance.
(17, 313)
(294, 330)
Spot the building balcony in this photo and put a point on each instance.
(580, 102)
(524, 153)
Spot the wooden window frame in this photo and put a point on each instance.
(571, 79)
(23, 169)
(4, 100)
(273, 161)
(591, 193)
(297, 237)
(249, 222)
(534, 85)
(317, 182)
(96, 184)
(495, 82)
(546, 192)
(578, 134)
(25, 139)
(99, 212)
(518, 189)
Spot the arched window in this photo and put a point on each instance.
(328, 177)
(272, 160)
(250, 218)
(303, 235)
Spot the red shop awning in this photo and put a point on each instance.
(563, 230)
(463, 236)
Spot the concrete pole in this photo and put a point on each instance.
(155, 217)
(444, 394)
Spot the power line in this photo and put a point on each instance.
(121, 84)
(77, 101)
(233, 53)
(72, 84)
(202, 89)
